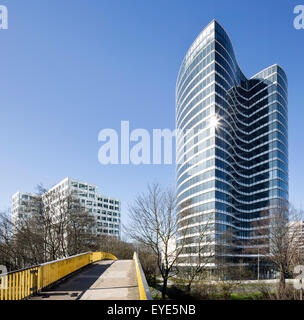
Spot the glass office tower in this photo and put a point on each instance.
(232, 147)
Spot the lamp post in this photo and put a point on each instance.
(258, 264)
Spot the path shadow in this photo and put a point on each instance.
(79, 281)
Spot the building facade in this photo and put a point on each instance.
(296, 232)
(232, 153)
(21, 205)
(106, 210)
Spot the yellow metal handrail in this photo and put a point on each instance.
(18, 285)
(143, 287)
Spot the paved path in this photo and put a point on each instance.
(103, 280)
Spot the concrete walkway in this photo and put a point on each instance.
(103, 280)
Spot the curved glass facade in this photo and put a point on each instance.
(232, 153)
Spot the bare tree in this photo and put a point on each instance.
(121, 249)
(7, 248)
(52, 225)
(232, 270)
(80, 230)
(194, 260)
(68, 227)
(153, 223)
(148, 261)
(276, 237)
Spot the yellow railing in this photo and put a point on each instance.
(143, 288)
(18, 285)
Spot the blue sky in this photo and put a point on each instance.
(70, 68)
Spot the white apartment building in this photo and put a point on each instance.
(296, 231)
(105, 209)
(20, 201)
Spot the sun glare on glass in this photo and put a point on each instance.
(214, 122)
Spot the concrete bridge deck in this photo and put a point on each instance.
(103, 280)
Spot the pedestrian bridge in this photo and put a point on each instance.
(87, 276)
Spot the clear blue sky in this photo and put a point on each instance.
(70, 68)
